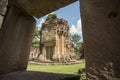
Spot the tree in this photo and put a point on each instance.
(75, 39)
(36, 38)
(51, 17)
(77, 44)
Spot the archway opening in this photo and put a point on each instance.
(43, 37)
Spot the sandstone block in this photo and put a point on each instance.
(15, 41)
(39, 8)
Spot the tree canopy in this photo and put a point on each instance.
(75, 39)
(51, 17)
(77, 44)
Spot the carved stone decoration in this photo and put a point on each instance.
(55, 41)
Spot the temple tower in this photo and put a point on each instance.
(55, 44)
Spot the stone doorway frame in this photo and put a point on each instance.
(105, 13)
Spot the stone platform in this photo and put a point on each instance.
(31, 75)
(56, 63)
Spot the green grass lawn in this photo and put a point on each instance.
(64, 69)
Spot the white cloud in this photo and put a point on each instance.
(76, 29)
(73, 29)
(79, 26)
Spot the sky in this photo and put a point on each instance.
(71, 13)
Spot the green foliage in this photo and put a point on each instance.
(76, 39)
(51, 17)
(77, 44)
(36, 38)
(83, 76)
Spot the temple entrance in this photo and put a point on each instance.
(101, 37)
(56, 44)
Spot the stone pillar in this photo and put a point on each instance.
(48, 52)
(44, 53)
(51, 52)
(15, 40)
(101, 31)
(63, 55)
(54, 53)
(58, 48)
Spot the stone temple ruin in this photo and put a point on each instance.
(55, 44)
(101, 30)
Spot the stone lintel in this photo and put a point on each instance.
(39, 8)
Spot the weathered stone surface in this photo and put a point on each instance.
(101, 30)
(55, 41)
(4, 2)
(15, 40)
(3, 6)
(39, 8)
(1, 20)
(29, 75)
(55, 44)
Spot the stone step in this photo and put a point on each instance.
(32, 75)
